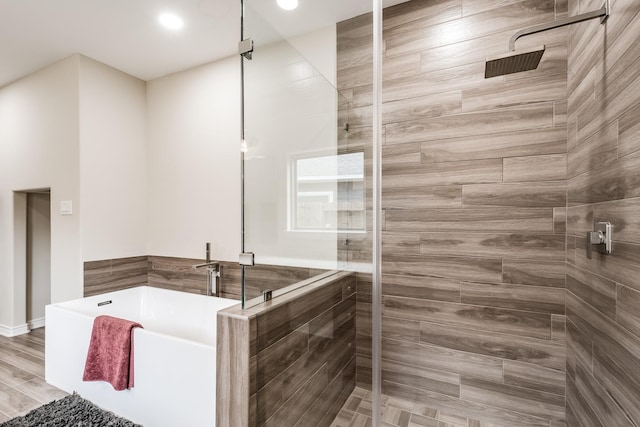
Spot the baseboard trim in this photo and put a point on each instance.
(36, 323)
(13, 331)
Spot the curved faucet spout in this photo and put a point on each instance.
(209, 264)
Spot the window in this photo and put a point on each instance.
(328, 193)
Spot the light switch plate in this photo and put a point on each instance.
(66, 207)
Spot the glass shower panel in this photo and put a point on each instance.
(308, 205)
(298, 184)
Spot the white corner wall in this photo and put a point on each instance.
(113, 167)
(193, 120)
(77, 127)
(39, 149)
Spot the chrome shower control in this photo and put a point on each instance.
(602, 237)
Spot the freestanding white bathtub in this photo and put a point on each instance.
(174, 355)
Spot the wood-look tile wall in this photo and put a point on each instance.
(603, 293)
(178, 274)
(162, 272)
(295, 362)
(474, 203)
(114, 274)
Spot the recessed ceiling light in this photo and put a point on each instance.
(171, 21)
(288, 4)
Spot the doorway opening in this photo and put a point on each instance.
(32, 251)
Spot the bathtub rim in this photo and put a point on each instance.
(63, 307)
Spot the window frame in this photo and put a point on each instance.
(292, 193)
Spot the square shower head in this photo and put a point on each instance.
(513, 62)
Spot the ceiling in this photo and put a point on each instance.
(126, 35)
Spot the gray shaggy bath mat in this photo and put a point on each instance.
(69, 411)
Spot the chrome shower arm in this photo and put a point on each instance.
(602, 13)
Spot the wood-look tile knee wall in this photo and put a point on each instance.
(305, 356)
(474, 197)
(297, 356)
(603, 293)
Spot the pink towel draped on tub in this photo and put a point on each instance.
(110, 355)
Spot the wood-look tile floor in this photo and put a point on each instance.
(22, 385)
(23, 388)
(357, 411)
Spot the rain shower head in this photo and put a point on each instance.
(513, 62)
(524, 60)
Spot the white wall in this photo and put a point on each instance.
(155, 168)
(194, 162)
(39, 149)
(291, 110)
(80, 128)
(113, 166)
(319, 48)
(77, 127)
